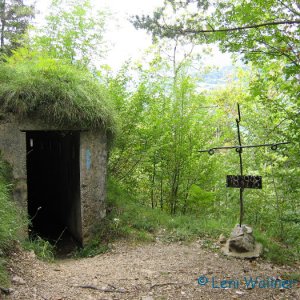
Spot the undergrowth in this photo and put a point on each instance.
(10, 220)
(135, 222)
(43, 249)
(95, 247)
(130, 220)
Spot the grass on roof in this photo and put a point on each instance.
(54, 91)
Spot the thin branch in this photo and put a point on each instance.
(257, 51)
(106, 290)
(266, 24)
(280, 51)
(289, 8)
(276, 51)
(292, 50)
(131, 169)
(288, 118)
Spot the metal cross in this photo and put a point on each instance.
(242, 181)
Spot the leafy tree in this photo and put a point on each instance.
(267, 34)
(257, 29)
(74, 31)
(166, 119)
(156, 155)
(15, 17)
(279, 100)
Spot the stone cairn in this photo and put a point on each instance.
(241, 243)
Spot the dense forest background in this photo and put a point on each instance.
(170, 105)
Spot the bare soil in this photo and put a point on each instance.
(149, 271)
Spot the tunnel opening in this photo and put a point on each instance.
(53, 183)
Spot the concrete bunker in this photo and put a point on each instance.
(59, 177)
(56, 125)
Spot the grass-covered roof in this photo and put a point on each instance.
(55, 92)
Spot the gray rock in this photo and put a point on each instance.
(242, 243)
(18, 280)
(5, 291)
(241, 239)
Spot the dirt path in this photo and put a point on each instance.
(152, 271)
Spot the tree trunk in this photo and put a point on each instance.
(161, 193)
(174, 190)
(2, 24)
(153, 182)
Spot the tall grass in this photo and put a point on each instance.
(133, 221)
(10, 220)
(37, 86)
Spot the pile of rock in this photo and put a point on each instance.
(241, 243)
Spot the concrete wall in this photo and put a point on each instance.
(13, 149)
(93, 169)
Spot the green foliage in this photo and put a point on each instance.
(160, 133)
(167, 119)
(37, 86)
(260, 30)
(135, 222)
(266, 43)
(93, 248)
(160, 186)
(10, 220)
(200, 201)
(42, 248)
(73, 32)
(14, 17)
(276, 252)
(4, 281)
(128, 219)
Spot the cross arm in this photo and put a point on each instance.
(238, 148)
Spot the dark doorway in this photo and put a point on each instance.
(53, 178)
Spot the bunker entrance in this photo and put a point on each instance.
(53, 182)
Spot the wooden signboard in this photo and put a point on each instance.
(245, 181)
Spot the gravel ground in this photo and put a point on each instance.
(147, 272)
